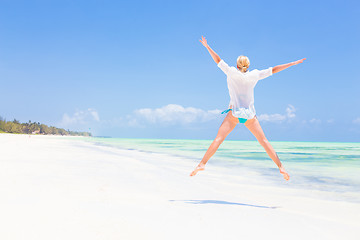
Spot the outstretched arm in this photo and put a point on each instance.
(284, 66)
(212, 53)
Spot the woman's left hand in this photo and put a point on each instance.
(204, 41)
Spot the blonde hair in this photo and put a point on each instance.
(243, 63)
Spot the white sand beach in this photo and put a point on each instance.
(62, 188)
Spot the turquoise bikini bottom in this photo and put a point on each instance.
(241, 120)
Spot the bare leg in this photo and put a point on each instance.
(226, 127)
(254, 126)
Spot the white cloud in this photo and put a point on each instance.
(94, 114)
(356, 121)
(133, 122)
(172, 114)
(315, 121)
(277, 117)
(80, 117)
(290, 111)
(330, 120)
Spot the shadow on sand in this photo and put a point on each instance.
(222, 203)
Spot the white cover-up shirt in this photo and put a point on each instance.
(241, 89)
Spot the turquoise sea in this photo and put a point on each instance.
(327, 169)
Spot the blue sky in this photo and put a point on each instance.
(137, 69)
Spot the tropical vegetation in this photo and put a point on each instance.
(35, 128)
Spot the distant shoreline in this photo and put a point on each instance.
(36, 128)
(50, 135)
(226, 140)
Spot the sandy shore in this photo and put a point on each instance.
(57, 188)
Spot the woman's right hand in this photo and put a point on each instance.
(203, 41)
(299, 61)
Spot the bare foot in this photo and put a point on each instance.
(200, 167)
(283, 172)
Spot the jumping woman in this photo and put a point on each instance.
(241, 83)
